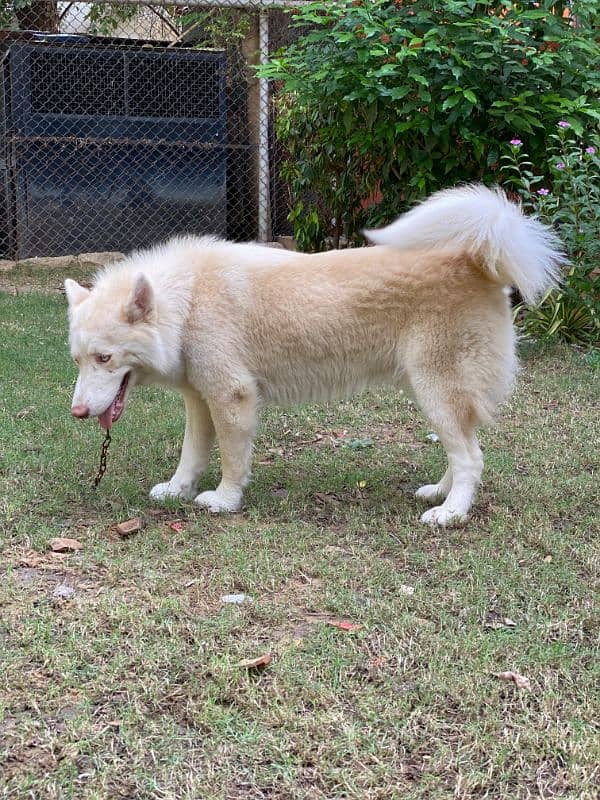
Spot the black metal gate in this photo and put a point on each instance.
(109, 147)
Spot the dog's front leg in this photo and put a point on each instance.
(195, 452)
(235, 422)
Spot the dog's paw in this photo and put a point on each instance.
(218, 503)
(170, 491)
(432, 493)
(444, 517)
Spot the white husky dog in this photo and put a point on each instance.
(235, 326)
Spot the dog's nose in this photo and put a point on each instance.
(81, 412)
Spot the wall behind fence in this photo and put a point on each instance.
(124, 123)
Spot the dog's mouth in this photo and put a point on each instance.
(116, 408)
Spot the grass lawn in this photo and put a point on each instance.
(130, 686)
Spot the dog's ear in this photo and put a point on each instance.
(76, 294)
(140, 303)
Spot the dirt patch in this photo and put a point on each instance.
(49, 576)
(47, 275)
(302, 599)
(376, 433)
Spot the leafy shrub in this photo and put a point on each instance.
(384, 101)
(566, 194)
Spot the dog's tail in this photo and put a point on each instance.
(514, 250)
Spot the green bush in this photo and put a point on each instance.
(564, 191)
(382, 102)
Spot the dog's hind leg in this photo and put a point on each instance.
(454, 417)
(195, 452)
(235, 423)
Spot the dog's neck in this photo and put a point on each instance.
(173, 299)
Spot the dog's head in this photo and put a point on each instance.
(111, 333)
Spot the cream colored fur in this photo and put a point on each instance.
(235, 326)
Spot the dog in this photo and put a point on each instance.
(236, 326)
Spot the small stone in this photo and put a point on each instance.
(236, 599)
(63, 591)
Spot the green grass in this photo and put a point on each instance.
(131, 689)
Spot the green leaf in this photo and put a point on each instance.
(450, 102)
(397, 92)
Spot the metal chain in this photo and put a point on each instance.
(103, 454)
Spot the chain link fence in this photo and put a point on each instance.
(124, 123)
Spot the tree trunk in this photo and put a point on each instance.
(39, 15)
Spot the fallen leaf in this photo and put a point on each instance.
(343, 625)
(547, 559)
(130, 526)
(31, 559)
(24, 412)
(63, 545)
(433, 437)
(408, 590)
(176, 526)
(339, 434)
(256, 663)
(519, 680)
(377, 662)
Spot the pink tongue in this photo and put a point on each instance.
(105, 419)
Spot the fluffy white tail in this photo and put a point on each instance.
(514, 249)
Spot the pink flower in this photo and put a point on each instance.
(516, 142)
(543, 192)
(563, 124)
(560, 165)
(590, 150)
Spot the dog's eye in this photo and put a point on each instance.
(102, 358)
